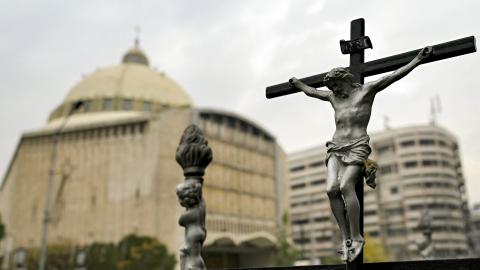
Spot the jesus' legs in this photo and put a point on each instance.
(337, 204)
(347, 187)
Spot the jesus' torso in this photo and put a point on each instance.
(352, 114)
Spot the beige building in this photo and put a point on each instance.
(116, 171)
(419, 167)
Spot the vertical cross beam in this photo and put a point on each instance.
(357, 30)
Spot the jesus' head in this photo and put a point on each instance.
(339, 80)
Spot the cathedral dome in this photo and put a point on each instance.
(130, 86)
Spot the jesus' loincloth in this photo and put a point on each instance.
(355, 152)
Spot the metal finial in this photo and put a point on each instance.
(137, 36)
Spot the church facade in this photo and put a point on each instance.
(115, 171)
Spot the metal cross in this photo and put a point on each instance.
(361, 70)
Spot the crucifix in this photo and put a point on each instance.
(347, 153)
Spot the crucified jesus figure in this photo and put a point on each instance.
(348, 151)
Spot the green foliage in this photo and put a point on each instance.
(286, 254)
(59, 257)
(139, 253)
(101, 256)
(332, 260)
(374, 250)
(131, 253)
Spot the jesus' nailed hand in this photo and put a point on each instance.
(348, 151)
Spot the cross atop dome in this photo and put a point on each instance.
(137, 36)
(135, 55)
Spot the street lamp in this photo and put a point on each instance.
(51, 173)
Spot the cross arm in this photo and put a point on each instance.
(285, 88)
(440, 51)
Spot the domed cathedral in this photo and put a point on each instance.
(112, 142)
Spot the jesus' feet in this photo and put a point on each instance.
(355, 249)
(344, 250)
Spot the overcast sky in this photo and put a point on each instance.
(224, 53)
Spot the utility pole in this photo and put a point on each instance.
(51, 174)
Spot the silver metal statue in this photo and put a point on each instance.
(348, 151)
(194, 155)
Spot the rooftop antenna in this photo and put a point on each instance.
(386, 122)
(435, 109)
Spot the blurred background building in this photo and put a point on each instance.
(116, 171)
(419, 168)
(475, 229)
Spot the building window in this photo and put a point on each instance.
(323, 239)
(317, 164)
(147, 106)
(446, 164)
(87, 105)
(407, 143)
(427, 142)
(385, 149)
(256, 132)
(410, 164)
(127, 104)
(231, 123)
(321, 219)
(301, 241)
(318, 182)
(298, 186)
(442, 143)
(319, 200)
(429, 162)
(244, 127)
(141, 128)
(387, 169)
(394, 190)
(300, 221)
(107, 104)
(298, 168)
(394, 211)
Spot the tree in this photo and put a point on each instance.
(101, 256)
(374, 251)
(60, 256)
(141, 252)
(286, 254)
(131, 253)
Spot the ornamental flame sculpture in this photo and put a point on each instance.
(194, 155)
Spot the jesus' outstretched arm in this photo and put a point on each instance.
(385, 81)
(310, 91)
